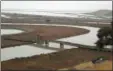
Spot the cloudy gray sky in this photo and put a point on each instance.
(57, 5)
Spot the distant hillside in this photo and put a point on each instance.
(102, 13)
(109, 13)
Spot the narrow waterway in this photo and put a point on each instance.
(29, 50)
(85, 39)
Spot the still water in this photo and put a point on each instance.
(10, 31)
(29, 50)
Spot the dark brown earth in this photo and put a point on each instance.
(56, 60)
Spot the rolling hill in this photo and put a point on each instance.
(102, 13)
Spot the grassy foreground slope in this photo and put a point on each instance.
(57, 60)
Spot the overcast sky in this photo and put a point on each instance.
(57, 5)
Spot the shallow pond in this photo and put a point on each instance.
(10, 31)
(22, 51)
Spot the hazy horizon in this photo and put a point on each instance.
(66, 11)
(58, 6)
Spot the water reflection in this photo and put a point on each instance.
(30, 50)
(22, 51)
(10, 31)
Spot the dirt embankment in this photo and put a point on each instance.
(46, 33)
(56, 60)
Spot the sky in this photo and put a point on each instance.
(57, 5)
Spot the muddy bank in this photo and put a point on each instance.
(56, 60)
(46, 33)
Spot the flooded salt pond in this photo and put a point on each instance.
(10, 31)
(71, 15)
(5, 16)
